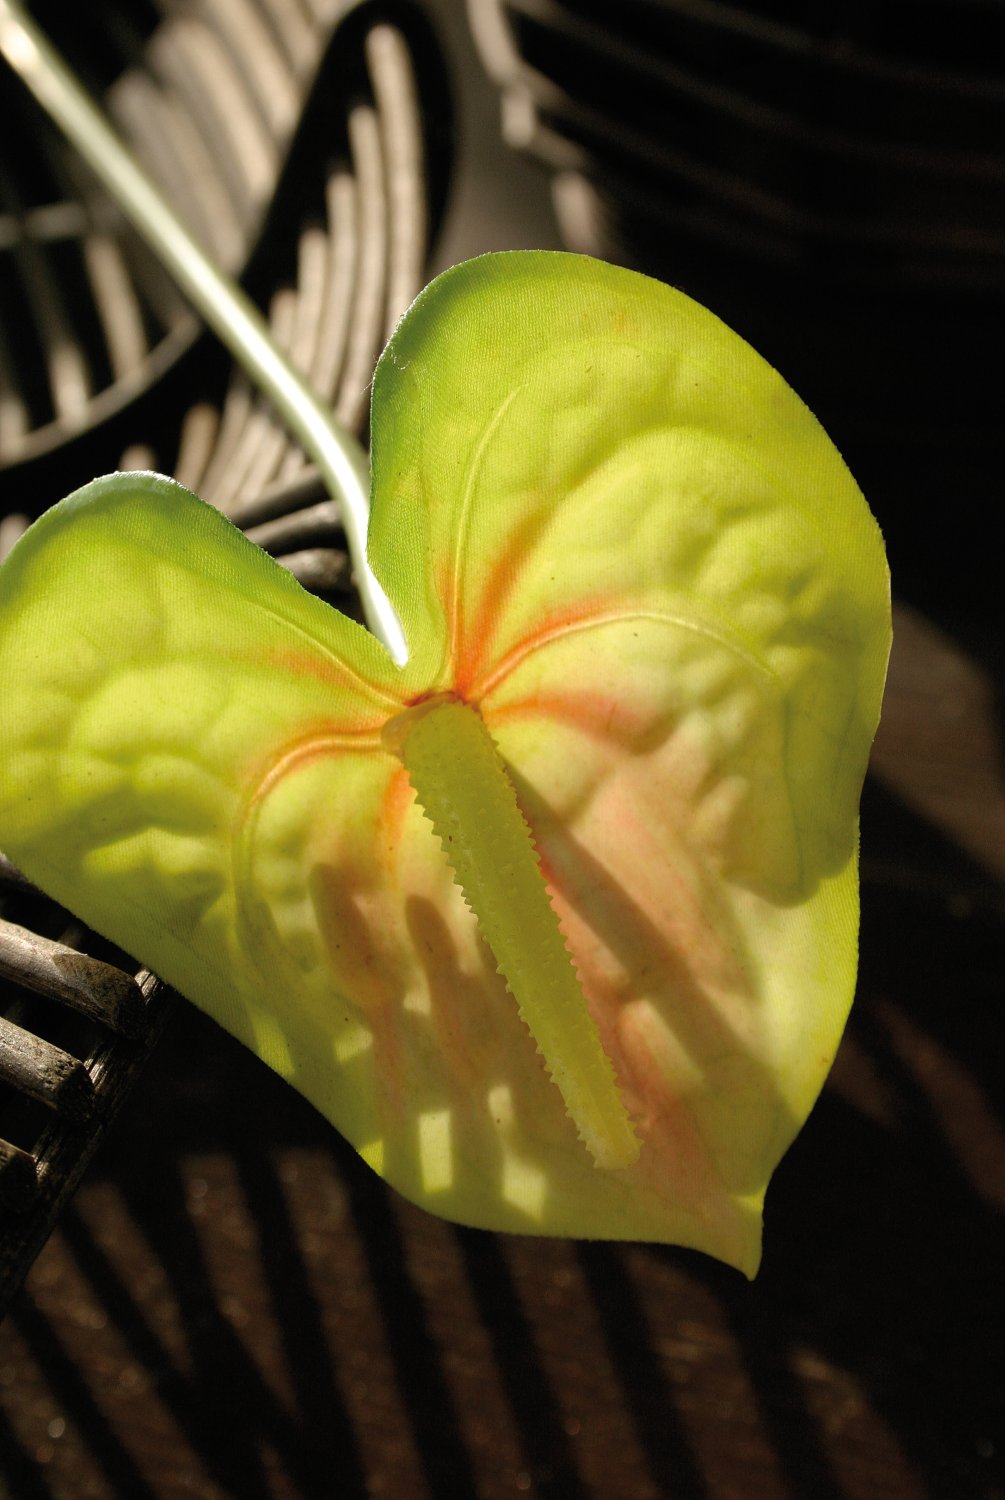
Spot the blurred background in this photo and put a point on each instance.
(209, 1294)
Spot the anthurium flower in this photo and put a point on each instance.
(557, 923)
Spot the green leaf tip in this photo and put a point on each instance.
(651, 611)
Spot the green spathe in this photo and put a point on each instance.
(611, 529)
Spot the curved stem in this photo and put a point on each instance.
(216, 297)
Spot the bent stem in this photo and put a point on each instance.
(215, 296)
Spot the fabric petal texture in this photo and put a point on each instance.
(616, 534)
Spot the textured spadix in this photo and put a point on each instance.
(461, 785)
(613, 531)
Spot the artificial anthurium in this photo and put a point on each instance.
(557, 923)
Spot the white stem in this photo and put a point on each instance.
(216, 297)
